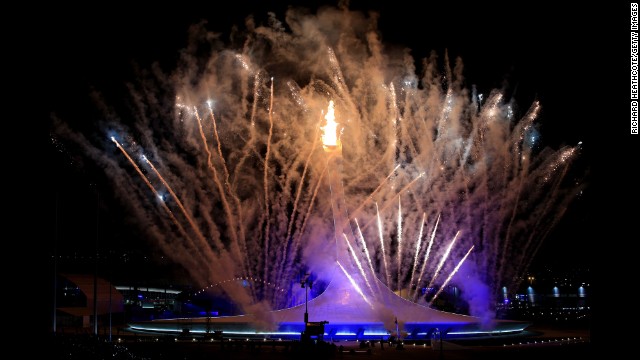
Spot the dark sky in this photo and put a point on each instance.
(537, 51)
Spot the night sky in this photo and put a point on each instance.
(530, 51)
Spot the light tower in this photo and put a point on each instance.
(332, 146)
(345, 240)
(306, 284)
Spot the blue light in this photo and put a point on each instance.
(581, 292)
(531, 294)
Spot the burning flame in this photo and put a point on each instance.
(330, 139)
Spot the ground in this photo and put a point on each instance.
(538, 342)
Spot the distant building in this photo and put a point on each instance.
(151, 302)
(549, 295)
(75, 302)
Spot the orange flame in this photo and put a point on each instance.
(330, 138)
